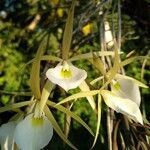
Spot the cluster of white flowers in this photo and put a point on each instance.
(124, 99)
(34, 133)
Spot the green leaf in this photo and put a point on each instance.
(73, 115)
(35, 70)
(57, 128)
(67, 37)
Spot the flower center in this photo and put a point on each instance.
(65, 73)
(36, 122)
(117, 86)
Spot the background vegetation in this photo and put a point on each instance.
(23, 25)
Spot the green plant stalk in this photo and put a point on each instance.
(67, 121)
(119, 25)
(115, 132)
(109, 127)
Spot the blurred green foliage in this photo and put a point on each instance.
(23, 25)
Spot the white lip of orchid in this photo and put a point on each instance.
(66, 75)
(122, 105)
(7, 135)
(126, 88)
(33, 133)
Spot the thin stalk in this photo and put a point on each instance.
(115, 132)
(109, 127)
(102, 40)
(109, 111)
(119, 26)
(67, 121)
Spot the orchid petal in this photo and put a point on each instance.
(122, 105)
(7, 135)
(140, 84)
(69, 81)
(128, 89)
(84, 87)
(33, 133)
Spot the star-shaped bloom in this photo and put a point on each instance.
(66, 75)
(33, 133)
(125, 98)
(7, 136)
(122, 105)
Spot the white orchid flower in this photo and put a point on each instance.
(66, 75)
(124, 97)
(122, 105)
(126, 88)
(7, 136)
(33, 133)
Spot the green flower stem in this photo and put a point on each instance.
(67, 121)
(110, 113)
